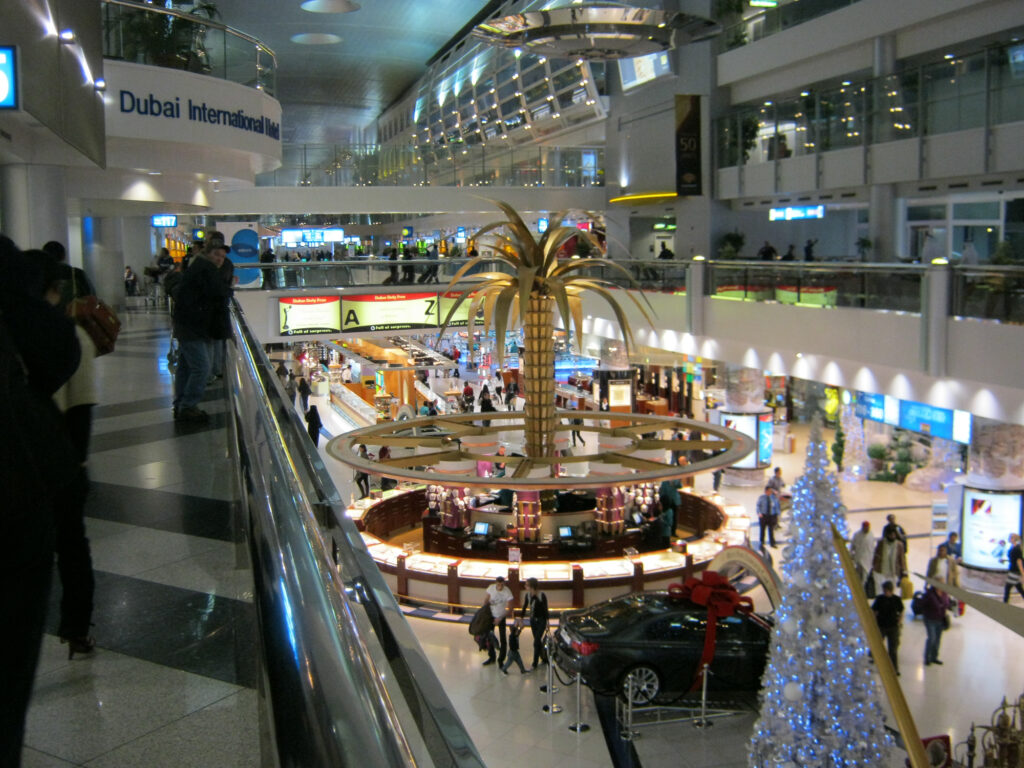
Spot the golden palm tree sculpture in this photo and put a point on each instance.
(527, 298)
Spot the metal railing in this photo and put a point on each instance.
(989, 292)
(347, 682)
(150, 34)
(774, 20)
(351, 165)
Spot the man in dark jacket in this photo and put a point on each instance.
(199, 302)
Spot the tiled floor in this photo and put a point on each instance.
(172, 681)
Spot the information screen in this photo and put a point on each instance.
(305, 315)
(988, 518)
(389, 311)
(642, 69)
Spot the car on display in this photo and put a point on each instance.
(647, 646)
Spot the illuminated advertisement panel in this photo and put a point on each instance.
(461, 317)
(746, 423)
(765, 438)
(389, 311)
(304, 315)
(987, 520)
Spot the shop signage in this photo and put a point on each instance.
(460, 235)
(389, 311)
(306, 315)
(9, 77)
(922, 418)
(688, 145)
(164, 220)
(153, 105)
(461, 317)
(407, 231)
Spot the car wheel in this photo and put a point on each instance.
(640, 685)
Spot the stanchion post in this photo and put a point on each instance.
(627, 734)
(551, 708)
(579, 726)
(702, 721)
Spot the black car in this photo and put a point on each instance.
(650, 644)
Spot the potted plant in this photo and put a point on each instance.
(730, 244)
(838, 447)
(863, 245)
(878, 454)
(151, 37)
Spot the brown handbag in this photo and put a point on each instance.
(97, 318)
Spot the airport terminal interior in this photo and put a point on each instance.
(788, 234)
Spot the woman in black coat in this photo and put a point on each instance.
(313, 424)
(304, 392)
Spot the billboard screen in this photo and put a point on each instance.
(389, 311)
(305, 315)
(987, 520)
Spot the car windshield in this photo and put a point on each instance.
(615, 615)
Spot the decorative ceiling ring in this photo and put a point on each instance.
(617, 467)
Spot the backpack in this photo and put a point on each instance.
(917, 603)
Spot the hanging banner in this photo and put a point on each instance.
(389, 311)
(688, 145)
(305, 315)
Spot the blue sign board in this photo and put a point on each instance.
(198, 234)
(164, 220)
(460, 235)
(9, 77)
(796, 212)
(765, 439)
(407, 231)
(542, 225)
(917, 417)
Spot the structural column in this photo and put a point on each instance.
(744, 394)
(33, 204)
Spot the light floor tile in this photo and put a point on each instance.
(212, 571)
(85, 709)
(33, 758)
(136, 550)
(223, 734)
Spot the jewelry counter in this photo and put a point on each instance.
(452, 576)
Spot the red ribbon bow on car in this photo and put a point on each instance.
(717, 593)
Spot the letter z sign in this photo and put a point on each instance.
(9, 77)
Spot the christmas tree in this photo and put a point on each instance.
(820, 705)
(855, 457)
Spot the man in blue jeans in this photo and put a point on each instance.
(199, 299)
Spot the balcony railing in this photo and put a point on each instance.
(334, 165)
(774, 20)
(149, 34)
(991, 293)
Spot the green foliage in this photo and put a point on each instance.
(730, 244)
(878, 452)
(838, 447)
(863, 246)
(901, 469)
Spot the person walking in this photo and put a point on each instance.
(862, 550)
(535, 609)
(889, 563)
(670, 500)
(362, 478)
(290, 388)
(943, 567)
(499, 598)
(935, 604)
(313, 425)
(1014, 569)
(901, 535)
(768, 514)
(304, 391)
(888, 610)
(577, 422)
(513, 649)
(201, 294)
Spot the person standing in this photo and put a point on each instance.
(499, 597)
(888, 610)
(201, 295)
(768, 514)
(670, 500)
(304, 391)
(862, 549)
(935, 604)
(767, 252)
(535, 608)
(313, 425)
(953, 546)
(889, 562)
(1014, 568)
(290, 388)
(809, 249)
(776, 481)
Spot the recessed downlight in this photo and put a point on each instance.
(316, 38)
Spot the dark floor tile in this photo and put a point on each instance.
(192, 631)
(148, 404)
(125, 438)
(162, 510)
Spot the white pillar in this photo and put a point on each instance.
(103, 257)
(33, 204)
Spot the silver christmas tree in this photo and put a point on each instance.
(820, 704)
(855, 454)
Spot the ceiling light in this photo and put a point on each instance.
(330, 6)
(100, 85)
(67, 35)
(316, 38)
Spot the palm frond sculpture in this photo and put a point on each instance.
(527, 298)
